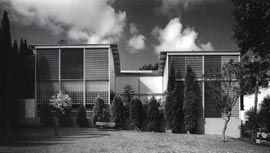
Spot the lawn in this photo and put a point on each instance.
(93, 140)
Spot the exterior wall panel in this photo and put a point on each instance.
(212, 64)
(195, 63)
(72, 63)
(47, 64)
(96, 88)
(96, 64)
(74, 89)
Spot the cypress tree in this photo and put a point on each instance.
(169, 108)
(136, 113)
(118, 111)
(81, 119)
(190, 101)
(153, 116)
(7, 69)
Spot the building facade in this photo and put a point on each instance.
(85, 71)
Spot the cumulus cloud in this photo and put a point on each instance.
(176, 38)
(92, 21)
(176, 6)
(137, 41)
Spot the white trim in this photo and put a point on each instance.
(84, 82)
(203, 53)
(35, 53)
(59, 67)
(71, 46)
(109, 74)
(203, 90)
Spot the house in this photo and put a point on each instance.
(87, 70)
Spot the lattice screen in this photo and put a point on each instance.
(95, 88)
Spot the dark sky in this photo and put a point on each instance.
(210, 19)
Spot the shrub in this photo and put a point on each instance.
(45, 117)
(118, 112)
(81, 119)
(153, 116)
(66, 119)
(136, 113)
(264, 113)
(112, 94)
(101, 114)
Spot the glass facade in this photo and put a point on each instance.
(83, 73)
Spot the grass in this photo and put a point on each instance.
(93, 140)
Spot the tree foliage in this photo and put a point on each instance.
(170, 98)
(7, 75)
(191, 100)
(62, 104)
(129, 92)
(251, 26)
(252, 34)
(101, 114)
(264, 113)
(118, 112)
(149, 67)
(173, 106)
(26, 69)
(154, 116)
(136, 113)
(81, 119)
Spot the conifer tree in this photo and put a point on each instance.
(118, 112)
(170, 98)
(190, 101)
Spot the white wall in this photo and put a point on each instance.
(215, 126)
(144, 86)
(150, 84)
(249, 101)
(122, 81)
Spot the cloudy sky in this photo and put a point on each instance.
(141, 28)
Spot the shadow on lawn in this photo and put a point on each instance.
(31, 141)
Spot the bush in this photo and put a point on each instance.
(153, 116)
(118, 112)
(66, 120)
(136, 113)
(101, 114)
(81, 119)
(264, 113)
(45, 113)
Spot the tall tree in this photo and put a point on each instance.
(129, 92)
(228, 91)
(7, 69)
(251, 26)
(191, 100)
(170, 92)
(252, 34)
(173, 104)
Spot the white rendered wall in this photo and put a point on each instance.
(122, 81)
(150, 85)
(215, 126)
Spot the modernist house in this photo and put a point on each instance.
(87, 70)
